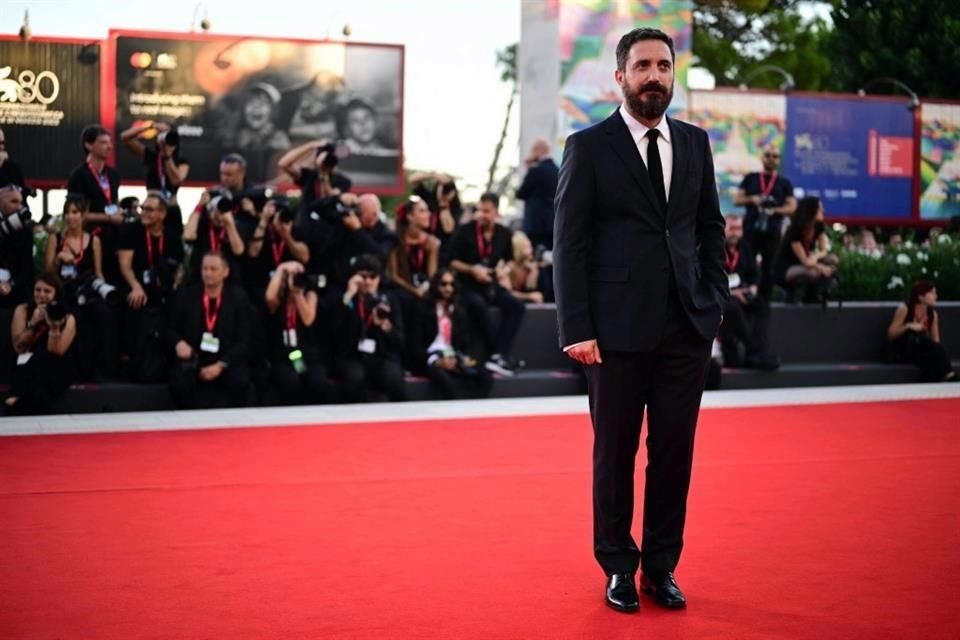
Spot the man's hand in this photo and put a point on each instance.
(227, 218)
(247, 206)
(3, 157)
(587, 353)
(353, 285)
(447, 363)
(211, 372)
(481, 274)
(739, 294)
(184, 350)
(352, 222)
(915, 326)
(5, 288)
(137, 297)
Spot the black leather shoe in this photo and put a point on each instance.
(622, 593)
(663, 587)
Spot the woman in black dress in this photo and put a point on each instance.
(914, 333)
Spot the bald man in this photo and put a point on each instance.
(768, 197)
(537, 192)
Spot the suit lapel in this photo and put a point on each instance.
(680, 142)
(626, 148)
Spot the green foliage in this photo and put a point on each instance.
(888, 276)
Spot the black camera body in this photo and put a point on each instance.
(169, 138)
(221, 200)
(19, 220)
(56, 312)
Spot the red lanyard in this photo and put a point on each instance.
(365, 317)
(215, 240)
(291, 316)
(416, 254)
(102, 180)
(484, 248)
(434, 221)
(78, 256)
(766, 188)
(150, 248)
(277, 248)
(210, 319)
(732, 261)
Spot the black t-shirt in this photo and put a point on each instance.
(781, 189)
(310, 189)
(16, 262)
(155, 268)
(211, 238)
(464, 247)
(11, 173)
(100, 190)
(156, 177)
(273, 252)
(306, 339)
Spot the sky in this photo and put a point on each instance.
(454, 99)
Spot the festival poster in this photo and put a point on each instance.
(589, 33)
(855, 154)
(939, 161)
(48, 94)
(261, 97)
(740, 125)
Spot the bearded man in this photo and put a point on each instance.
(640, 284)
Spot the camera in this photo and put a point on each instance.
(169, 138)
(56, 312)
(99, 287)
(305, 281)
(221, 200)
(382, 312)
(258, 195)
(17, 221)
(335, 152)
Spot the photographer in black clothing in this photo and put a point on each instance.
(743, 334)
(440, 193)
(442, 340)
(274, 241)
(10, 171)
(479, 252)
(312, 167)
(151, 259)
(43, 333)
(165, 169)
(296, 358)
(209, 338)
(16, 264)
(369, 336)
(768, 197)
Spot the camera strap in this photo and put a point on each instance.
(216, 239)
(102, 180)
(767, 188)
(276, 247)
(366, 317)
(210, 319)
(484, 248)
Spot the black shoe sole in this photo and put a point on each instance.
(621, 608)
(650, 591)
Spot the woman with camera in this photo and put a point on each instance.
(165, 170)
(914, 334)
(42, 332)
(441, 337)
(296, 361)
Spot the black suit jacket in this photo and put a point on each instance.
(537, 191)
(615, 248)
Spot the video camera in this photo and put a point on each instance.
(17, 221)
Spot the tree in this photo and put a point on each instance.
(507, 64)
(913, 41)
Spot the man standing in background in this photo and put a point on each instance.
(537, 192)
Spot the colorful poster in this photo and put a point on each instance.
(856, 154)
(740, 126)
(939, 161)
(262, 97)
(48, 93)
(589, 32)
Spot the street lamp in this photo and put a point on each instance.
(914, 100)
(787, 85)
(204, 22)
(25, 32)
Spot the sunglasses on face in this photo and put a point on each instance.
(446, 283)
(369, 275)
(771, 155)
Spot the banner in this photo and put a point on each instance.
(939, 161)
(740, 126)
(855, 154)
(589, 33)
(48, 93)
(262, 97)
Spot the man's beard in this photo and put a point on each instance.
(650, 106)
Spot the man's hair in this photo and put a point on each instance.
(51, 279)
(217, 254)
(633, 37)
(161, 201)
(366, 262)
(732, 214)
(492, 198)
(90, 134)
(234, 158)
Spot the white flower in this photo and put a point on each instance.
(944, 239)
(895, 282)
(908, 244)
(923, 270)
(903, 259)
(922, 256)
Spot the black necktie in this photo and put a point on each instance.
(655, 167)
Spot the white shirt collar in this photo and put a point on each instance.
(639, 130)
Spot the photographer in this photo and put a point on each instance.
(165, 169)
(768, 197)
(296, 361)
(77, 257)
(274, 241)
(312, 167)
(151, 258)
(10, 171)
(369, 337)
(16, 263)
(477, 251)
(743, 333)
(356, 229)
(42, 333)
(209, 338)
(441, 337)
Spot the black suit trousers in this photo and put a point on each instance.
(667, 383)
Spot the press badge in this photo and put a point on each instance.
(367, 345)
(290, 338)
(296, 360)
(147, 277)
(273, 273)
(68, 271)
(733, 279)
(24, 358)
(111, 209)
(5, 275)
(209, 343)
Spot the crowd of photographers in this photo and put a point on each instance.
(254, 297)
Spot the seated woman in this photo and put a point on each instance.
(414, 260)
(804, 257)
(914, 334)
(441, 338)
(296, 362)
(521, 276)
(42, 332)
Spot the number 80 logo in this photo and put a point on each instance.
(43, 87)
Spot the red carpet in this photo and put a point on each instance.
(833, 521)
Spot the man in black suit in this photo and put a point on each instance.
(640, 285)
(537, 191)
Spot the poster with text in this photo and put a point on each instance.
(939, 161)
(49, 91)
(740, 126)
(261, 98)
(855, 154)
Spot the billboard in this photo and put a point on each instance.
(589, 32)
(939, 161)
(740, 126)
(261, 97)
(48, 93)
(853, 153)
